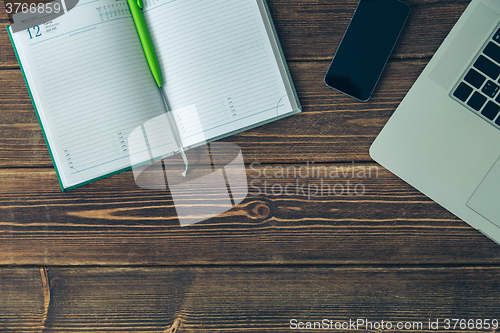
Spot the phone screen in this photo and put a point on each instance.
(366, 47)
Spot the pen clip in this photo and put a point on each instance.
(140, 4)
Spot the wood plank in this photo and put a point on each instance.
(332, 127)
(114, 222)
(3, 12)
(313, 29)
(265, 299)
(24, 299)
(7, 55)
(20, 134)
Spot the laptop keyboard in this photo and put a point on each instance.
(479, 87)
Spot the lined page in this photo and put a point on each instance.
(216, 56)
(92, 87)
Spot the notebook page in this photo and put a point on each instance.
(216, 55)
(92, 87)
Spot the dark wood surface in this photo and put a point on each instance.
(110, 256)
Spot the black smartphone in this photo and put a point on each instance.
(366, 46)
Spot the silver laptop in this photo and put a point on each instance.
(444, 138)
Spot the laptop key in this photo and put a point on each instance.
(487, 66)
(492, 51)
(496, 37)
(463, 92)
(491, 110)
(475, 78)
(477, 101)
(490, 89)
(479, 88)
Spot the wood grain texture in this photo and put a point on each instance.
(312, 29)
(22, 299)
(389, 254)
(4, 17)
(332, 127)
(263, 299)
(113, 222)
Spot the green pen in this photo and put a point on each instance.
(147, 45)
(136, 10)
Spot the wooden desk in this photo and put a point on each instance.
(110, 256)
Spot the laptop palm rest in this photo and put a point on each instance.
(486, 199)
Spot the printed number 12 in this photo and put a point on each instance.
(38, 33)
